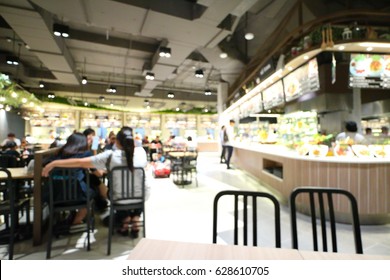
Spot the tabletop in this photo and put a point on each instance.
(152, 249)
(182, 154)
(18, 173)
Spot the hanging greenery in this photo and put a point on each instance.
(12, 95)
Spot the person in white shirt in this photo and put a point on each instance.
(11, 138)
(351, 134)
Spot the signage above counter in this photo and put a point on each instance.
(369, 71)
(303, 80)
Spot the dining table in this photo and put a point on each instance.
(18, 173)
(154, 249)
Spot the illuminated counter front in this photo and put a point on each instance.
(284, 170)
(208, 146)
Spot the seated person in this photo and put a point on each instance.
(110, 143)
(11, 149)
(76, 147)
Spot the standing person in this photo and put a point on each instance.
(101, 131)
(229, 142)
(351, 134)
(11, 138)
(126, 154)
(384, 131)
(221, 137)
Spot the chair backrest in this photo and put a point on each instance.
(247, 204)
(322, 207)
(9, 161)
(126, 184)
(6, 188)
(68, 185)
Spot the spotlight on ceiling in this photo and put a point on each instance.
(171, 95)
(223, 55)
(165, 52)
(207, 92)
(249, 36)
(149, 76)
(111, 89)
(84, 80)
(12, 60)
(41, 84)
(199, 73)
(60, 30)
(51, 96)
(102, 98)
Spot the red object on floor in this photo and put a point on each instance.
(161, 170)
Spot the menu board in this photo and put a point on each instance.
(257, 104)
(303, 80)
(273, 95)
(252, 106)
(369, 71)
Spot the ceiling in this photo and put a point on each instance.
(114, 43)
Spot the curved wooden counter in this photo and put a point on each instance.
(284, 170)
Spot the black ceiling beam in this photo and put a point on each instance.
(112, 41)
(189, 10)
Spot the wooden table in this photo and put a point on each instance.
(18, 173)
(151, 249)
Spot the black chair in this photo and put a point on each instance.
(65, 196)
(126, 192)
(10, 207)
(324, 210)
(180, 175)
(247, 204)
(190, 165)
(10, 161)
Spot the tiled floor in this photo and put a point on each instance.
(185, 214)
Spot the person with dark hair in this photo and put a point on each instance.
(221, 137)
(93, 140)
(126, 154)
(228, 141)
(384, 131)
(10, 149)
(75, 147)
(11, 138)
(350, 134)
(154, 147)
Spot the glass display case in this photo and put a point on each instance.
(296, 128)
(50, 125)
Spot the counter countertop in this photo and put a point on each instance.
(282, 151)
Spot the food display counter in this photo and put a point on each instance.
(283, 170)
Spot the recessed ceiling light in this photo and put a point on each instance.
(369, 49)
(249, 36)
(341, 48)
(223, 55)
(306, 57)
